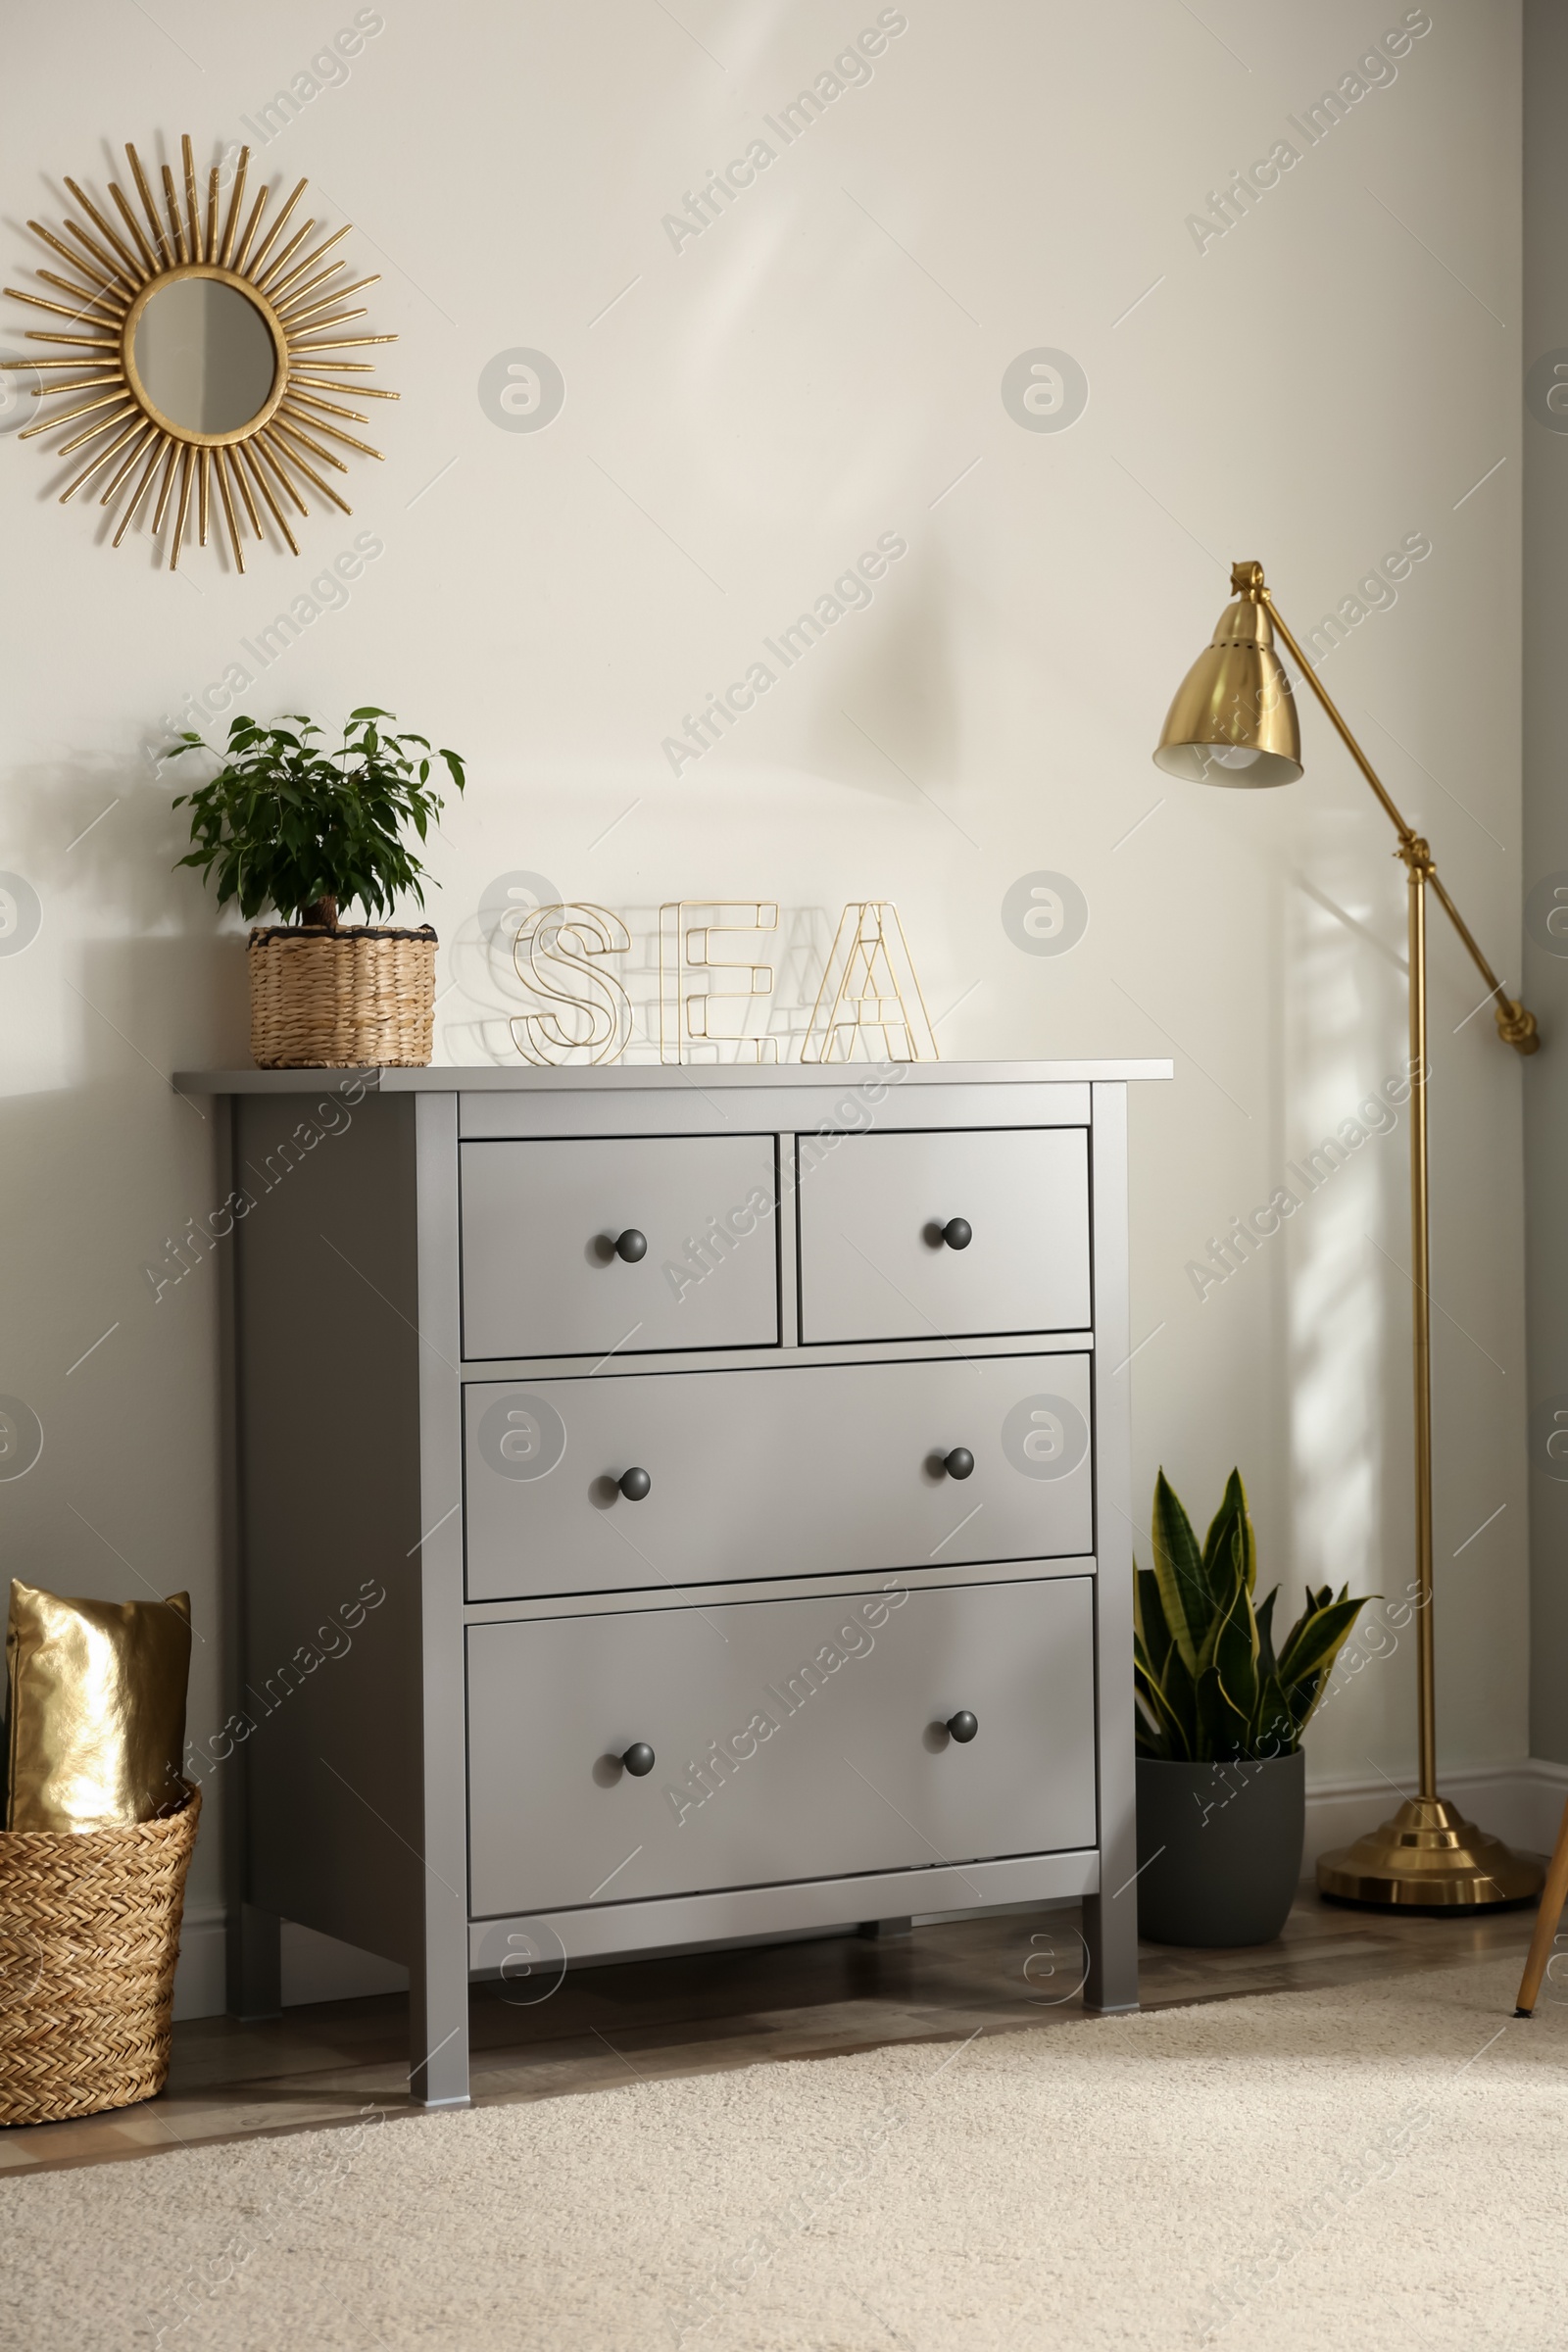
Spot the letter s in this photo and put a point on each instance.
(561, 953)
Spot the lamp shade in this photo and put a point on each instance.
(1233, 720)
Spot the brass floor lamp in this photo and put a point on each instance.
(1234, 722)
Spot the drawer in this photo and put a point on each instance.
(872, 1208)
(540, 1220)
(785, 1471)
(791, 1740)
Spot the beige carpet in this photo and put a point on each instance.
(1378, 2168)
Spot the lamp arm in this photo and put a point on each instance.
(1515, 1025)
(1405, 832)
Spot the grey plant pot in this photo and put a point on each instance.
(1219, 1849)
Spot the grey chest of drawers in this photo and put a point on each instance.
(673, 1505)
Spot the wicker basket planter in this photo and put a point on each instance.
(353, 1000)
(89, 1933)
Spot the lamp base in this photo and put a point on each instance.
(1428, 1858)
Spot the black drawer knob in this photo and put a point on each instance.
(962, 1726)
(959, 1463)
(958, 1233)
(634, 1484)
(639, 1761)
(631, 1245)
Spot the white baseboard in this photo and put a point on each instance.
(1521, 1802)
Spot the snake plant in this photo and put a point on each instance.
(1210, 1683)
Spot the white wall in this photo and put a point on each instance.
(821, 366)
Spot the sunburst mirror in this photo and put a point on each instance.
(207, 352)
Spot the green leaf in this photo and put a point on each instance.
(1236, 1644)
(1222, 1725)
(1179, 1571)
(1210, 1677)
(1245, 1536)
(1315, 1639)
(1164, 1723)
(1173, 1733)
(1148, 1617)
(1227, 1589)
(283, 822)
(1216, 1544)
(1275, 1731)
(1178, 1690)
(1303, 1698)
(1231, 1517)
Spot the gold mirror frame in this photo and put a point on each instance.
(216, 275)
(266, 455)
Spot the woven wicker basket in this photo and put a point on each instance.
(354, 999)
(89, 1933)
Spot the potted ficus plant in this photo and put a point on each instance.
(288, 823)
(1221, 1709)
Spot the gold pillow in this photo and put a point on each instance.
(95, 1727)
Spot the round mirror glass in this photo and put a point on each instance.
(205, 356)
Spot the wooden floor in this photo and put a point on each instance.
(323, 2066)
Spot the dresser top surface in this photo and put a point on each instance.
(455, 1078)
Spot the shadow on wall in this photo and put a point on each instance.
(182, 1001)
(885, 719)
(115, 1496)
(100, 841)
